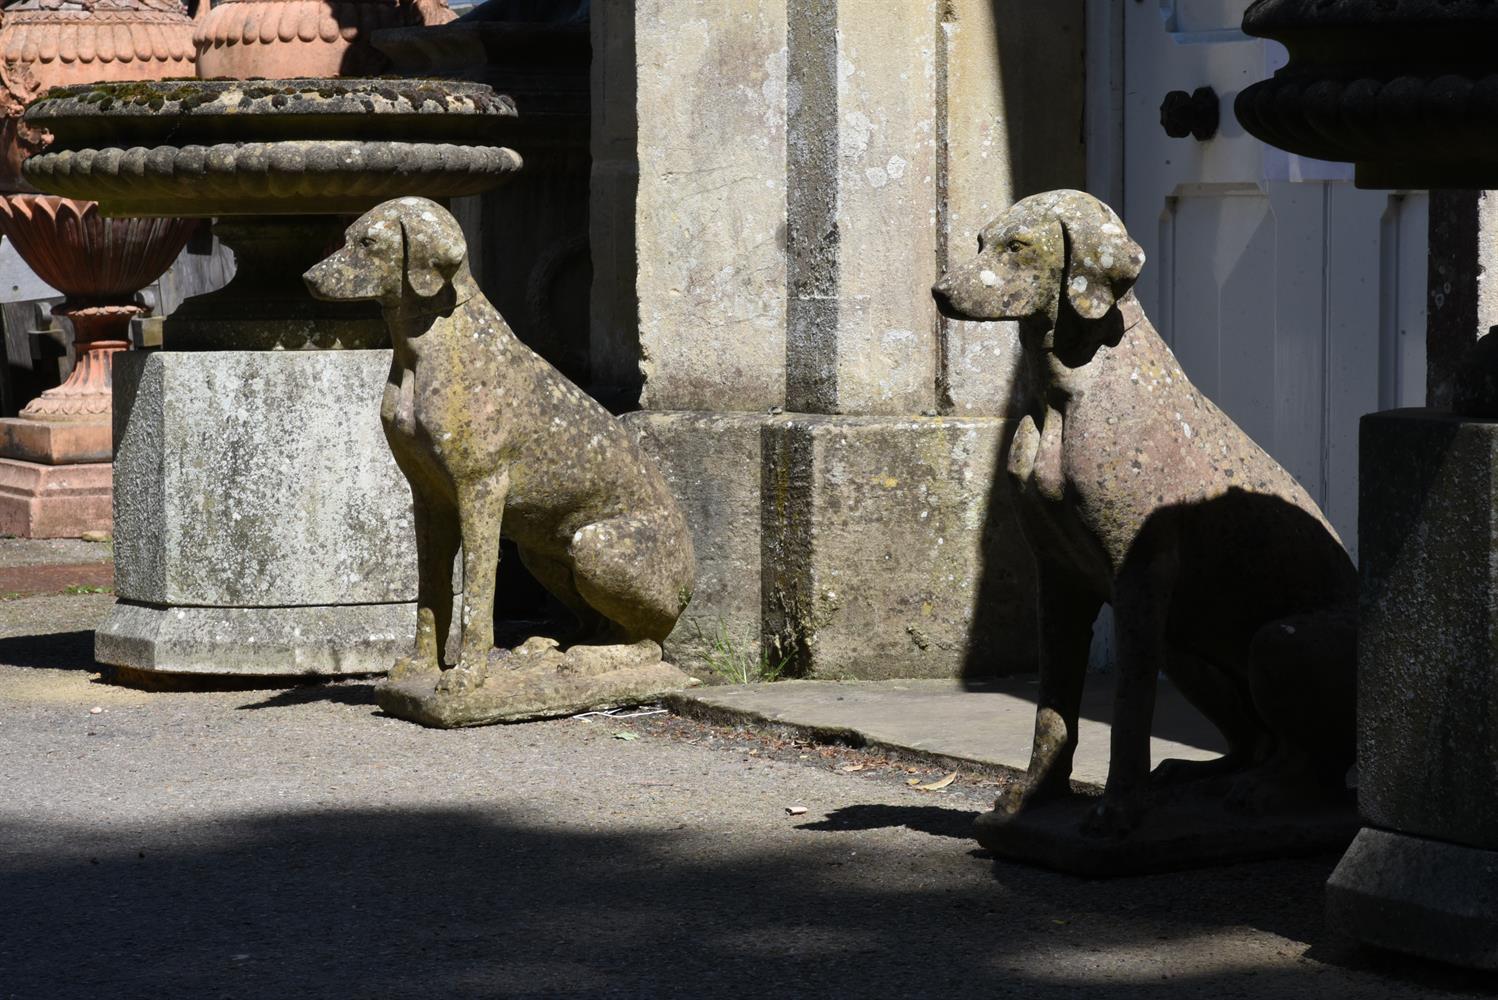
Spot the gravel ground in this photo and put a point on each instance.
(300, 844)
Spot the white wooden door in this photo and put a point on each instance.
(1292, 299)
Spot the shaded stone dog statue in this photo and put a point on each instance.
(494, 440)
(1135, 490)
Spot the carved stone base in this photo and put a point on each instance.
(264, 643)
(56, 442)
(534, 683)
(54, 501)
(1191, 831)
(1418, 896)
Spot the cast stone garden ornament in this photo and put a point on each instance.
(1135, 490)
(493, 439)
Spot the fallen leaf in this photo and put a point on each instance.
(938, 784)
(623, 735)
(96, 710)
(795, 810)
(854, 767)
(912, 782)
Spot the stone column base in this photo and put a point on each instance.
(261, 525)
(306, 642)
(53, 501)
(1418, 896)
(847, 547)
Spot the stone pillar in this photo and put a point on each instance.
(862, 207)
(774, 192)
(689, 173)
(1463, 294)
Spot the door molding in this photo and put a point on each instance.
(1103, 100)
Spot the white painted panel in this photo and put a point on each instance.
(1196, 17)
(1292, 299)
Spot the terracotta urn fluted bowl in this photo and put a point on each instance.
(279, 163)
(98, 264)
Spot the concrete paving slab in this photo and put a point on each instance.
(988, 725)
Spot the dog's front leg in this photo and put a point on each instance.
(481, 507)
(1067, 608)
(1141, 608)
(436, 544)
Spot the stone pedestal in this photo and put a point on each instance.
(869, 547)
(1427, 690)
(54, 477)
(261, 525)
(885, 553)
(53, 501)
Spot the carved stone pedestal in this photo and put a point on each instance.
(1427, 691)
(261, 525)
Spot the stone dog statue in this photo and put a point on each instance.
(494, 440)
(1134, 489)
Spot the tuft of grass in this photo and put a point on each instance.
(737, 663)
(83, 588)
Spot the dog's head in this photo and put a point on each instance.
(1060, 241)
(402, 249)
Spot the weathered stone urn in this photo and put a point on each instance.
(261, 526)
(55, 472)
(1408, 91)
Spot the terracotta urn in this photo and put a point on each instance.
(276, 39)
(98, 264)
(55, 458)
(55, 43)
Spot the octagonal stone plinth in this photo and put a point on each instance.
(261, 524)
(1423, 876)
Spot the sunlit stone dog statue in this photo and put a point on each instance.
(1134, 489)
(495, 441)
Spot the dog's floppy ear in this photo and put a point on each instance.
(1102, 262)
(433, 254)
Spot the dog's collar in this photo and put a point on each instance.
(1131, 311)
(457, 304)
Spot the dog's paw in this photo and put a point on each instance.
(1112, 818)
(1266, 793)
(1025, 793)
(409, 667)
(461, 679)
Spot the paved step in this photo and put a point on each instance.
(984, 726)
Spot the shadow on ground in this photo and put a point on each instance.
(468, 903)
(939, 822)
(52, 651)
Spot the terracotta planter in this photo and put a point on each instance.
(275, 39)
(98, 264)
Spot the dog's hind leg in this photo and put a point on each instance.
(1067, 609)
(1303, 681)
(636, 571)
(556, 576)
(1226, 702)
